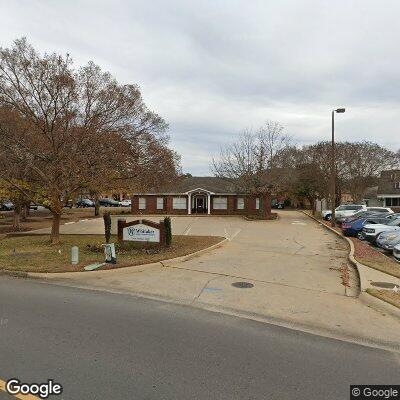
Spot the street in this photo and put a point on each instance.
(100, 345)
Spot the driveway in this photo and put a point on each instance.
(293, 265)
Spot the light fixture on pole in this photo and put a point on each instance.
(333, 169)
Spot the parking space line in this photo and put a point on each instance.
(17, 396)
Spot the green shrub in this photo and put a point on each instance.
(168, 231)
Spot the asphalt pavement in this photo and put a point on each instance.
(101, 345)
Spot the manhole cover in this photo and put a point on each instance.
(386, 285)
(242, 285)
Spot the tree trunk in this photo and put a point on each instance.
(96, 205)
(312, 204)
(16, 220)
(55, 229)
(265, 206)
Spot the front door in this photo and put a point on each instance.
(200, 204)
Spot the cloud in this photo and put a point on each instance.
(213, 68)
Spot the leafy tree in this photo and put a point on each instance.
(69, 129)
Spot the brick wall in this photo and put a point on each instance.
(232, 201)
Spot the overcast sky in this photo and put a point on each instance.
(213, 68)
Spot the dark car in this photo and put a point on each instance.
(33, 206)
(83, 203)
(109, 203)
(6, 206)
(361, 214)
(277, 204)
(355, 227)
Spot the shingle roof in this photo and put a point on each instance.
(186, 184)
(387, 181)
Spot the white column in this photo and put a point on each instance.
(189, 203)
(208, 203)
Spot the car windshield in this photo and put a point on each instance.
(394, 222)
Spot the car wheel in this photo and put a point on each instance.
(328, 217)
(360, 236)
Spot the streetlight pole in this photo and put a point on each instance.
(333, 168)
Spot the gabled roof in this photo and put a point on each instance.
(187, 184)
(387, 181)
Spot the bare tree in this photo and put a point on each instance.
(249, 162)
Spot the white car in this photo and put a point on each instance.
(396, 252)
(371, 231)
(345, 210)
(126, 203)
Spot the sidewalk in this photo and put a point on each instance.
(292, 263)
(369, 277)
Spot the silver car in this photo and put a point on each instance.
(396, 252)
(388, 240)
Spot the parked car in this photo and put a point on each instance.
(126, 203)
(109, 203)
(83, 203)
(355, 227)
(378, 210)
(388, 240)
(6, 206)
(33, 206)
(371, 231)
(345, 210)
(360, 214)
(396, 252)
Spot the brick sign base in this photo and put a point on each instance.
(139, 228)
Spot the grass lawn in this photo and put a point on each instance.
(386, 295)
(34, 253)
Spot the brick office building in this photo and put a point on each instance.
(389, 189)
(196, 195)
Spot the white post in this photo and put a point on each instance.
(208, 203)
(189, 203)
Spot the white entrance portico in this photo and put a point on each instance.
(199, 201)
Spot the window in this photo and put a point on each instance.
(220, 203)
(257, 203)
(160, 203)
(240, 203)
(397, 185)
(179, 203)
(395, 201)
(142, 203)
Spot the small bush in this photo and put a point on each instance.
(168, 231)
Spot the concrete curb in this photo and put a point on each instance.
(187, 257)
(245, 217)
(365, 297)
(309, 328)
(162, 263)
(15, 274)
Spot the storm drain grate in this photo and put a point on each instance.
(385, 285)
(242, 285)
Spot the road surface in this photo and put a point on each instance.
(100, 345)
